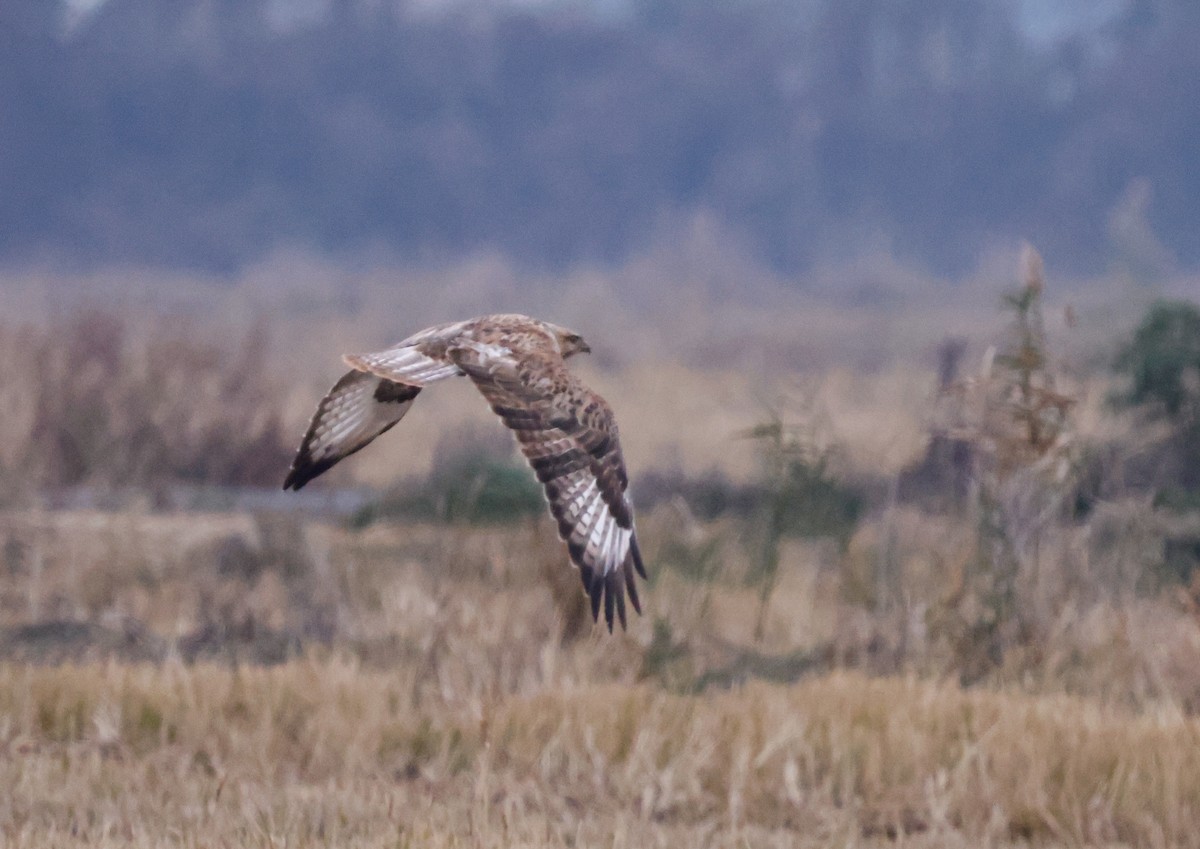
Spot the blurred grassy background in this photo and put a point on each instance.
(925, 570)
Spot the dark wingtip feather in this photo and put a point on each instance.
(616, 589)
(596, 590)
(300, 474)
(610, 592)
(631, 584)
(637, 556)
(304, 469)
(609, 589)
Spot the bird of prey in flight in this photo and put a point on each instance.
(565, 430)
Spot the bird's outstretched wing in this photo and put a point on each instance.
(369, 400)
(357, 409)
(569, 436)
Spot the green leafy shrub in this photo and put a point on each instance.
(476, 489)
(1163, 359)
(1162, 362)
(800, 497)
(485, 490)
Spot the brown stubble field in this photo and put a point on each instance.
(262, 677)
(446, 709)
(325, 752)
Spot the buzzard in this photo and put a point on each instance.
(565, 430)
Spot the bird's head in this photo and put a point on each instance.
(569, 342)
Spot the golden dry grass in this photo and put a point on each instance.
(447, 712)
(326, 752)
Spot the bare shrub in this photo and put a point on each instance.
(1001, 465)
(1017, 423)
(99, 401)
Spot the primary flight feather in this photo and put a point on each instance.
(565, 430)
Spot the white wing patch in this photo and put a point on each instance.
(594, 526)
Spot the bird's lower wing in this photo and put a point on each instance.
(581, 472)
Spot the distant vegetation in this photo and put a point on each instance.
(205, 134)
(98, 401)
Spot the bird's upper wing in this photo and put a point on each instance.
(569, 436)
(371, 399)
(358, 408)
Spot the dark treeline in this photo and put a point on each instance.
(204, 133)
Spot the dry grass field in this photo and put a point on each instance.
(325, 752)
(267, 681)
(851, 637)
